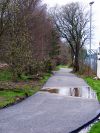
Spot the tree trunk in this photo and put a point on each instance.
(76, 63)
(72, 58)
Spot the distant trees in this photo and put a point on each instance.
(30, 38)
(4, 16)
(71, 21)
(29, 41)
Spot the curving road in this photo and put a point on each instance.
(50, 113)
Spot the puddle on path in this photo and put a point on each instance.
(85, 92)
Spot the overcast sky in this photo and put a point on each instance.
(96, 15)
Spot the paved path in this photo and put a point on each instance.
(50, 113)
(64, 78)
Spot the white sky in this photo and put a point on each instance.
(96, 15)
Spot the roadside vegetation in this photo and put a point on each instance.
(14, 92)
(95, 128)
(95, 84)
(33, 46)
(31, 50)
(5, 75)
(10, 97)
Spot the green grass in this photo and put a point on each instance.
(9, 96)
(61, 66)
(45, 78)
(95, 128)
(95, 84)
(5, 75)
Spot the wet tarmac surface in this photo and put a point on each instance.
(48, 113)
(84, 92)
(64, 104)
(87, 129)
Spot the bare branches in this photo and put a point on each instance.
(72, 24)
(4, 19)
(31, 39)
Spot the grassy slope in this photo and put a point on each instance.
(95, 128)
(95, 84)
(9, 96)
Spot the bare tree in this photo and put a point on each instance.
(4, 15)
(17, 46)
(72, 23)
(30, 38)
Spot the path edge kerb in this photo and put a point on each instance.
(86, 124)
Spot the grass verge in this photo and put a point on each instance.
(95, 128)
(12, 93)
(95, 84)
(45, 77)
(9, 97)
